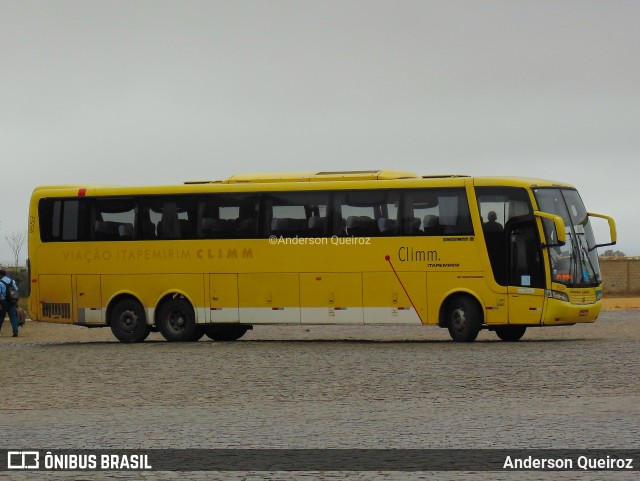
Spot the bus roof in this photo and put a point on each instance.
(318, 176)
(306, 181)
(519, 182)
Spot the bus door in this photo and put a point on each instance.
(525, 265)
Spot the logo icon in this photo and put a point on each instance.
(23, 460)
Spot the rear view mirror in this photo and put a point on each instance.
(612, 230)
(555, 233)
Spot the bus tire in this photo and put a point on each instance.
(198, 332)
(510, 333)
(463, 319)
(128, 322)
(176, 320)
(225, 333)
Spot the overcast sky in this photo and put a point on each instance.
(156, 92)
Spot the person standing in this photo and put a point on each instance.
(8, 305)
(491, 225)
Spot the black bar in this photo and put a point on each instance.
(402, 460)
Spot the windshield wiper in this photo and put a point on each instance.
(585, 254)
(573, 258)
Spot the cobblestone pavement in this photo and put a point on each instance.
(65, 387)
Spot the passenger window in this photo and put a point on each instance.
(227, 216)
(62, 219)
(168, 217)
(296, 214)
(366, 213)
(114, 219)
(436, 212)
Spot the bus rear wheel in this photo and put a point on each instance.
(226, 333)
(128, 322)
(176, 321)
(510, 333)
(463, 319)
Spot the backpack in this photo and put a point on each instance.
(10, 293)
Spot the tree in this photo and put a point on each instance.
(612, 253)
(16, 241)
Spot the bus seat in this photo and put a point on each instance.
(415, 226)
(361, 226)
(185, 229)
(462, 226)
(245, 228)
(106, 230)
(125, 231)
(148, 229)
(317, 226)
(387, 226)
(212, 228)
(279, 224)
(286, 226)
(100, 229)
(431, 225)
(300, 226)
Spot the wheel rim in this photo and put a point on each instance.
(176, 322)
(128, 321)
(458, 320)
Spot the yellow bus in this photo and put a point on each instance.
(358, 248)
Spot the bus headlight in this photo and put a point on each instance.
(560, 296)
(598, 294)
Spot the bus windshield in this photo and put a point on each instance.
(574, 264)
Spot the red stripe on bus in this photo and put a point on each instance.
(388, 259)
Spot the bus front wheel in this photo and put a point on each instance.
(510, 333)
(176, 321)
(463, 319)
(128, 322)
(198, 333)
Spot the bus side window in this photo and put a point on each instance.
(368, 213)
(114, 218)
(436, 212)
(227, 216)
(166, 217)
(296, 214)
(454, 214)
(63, 219)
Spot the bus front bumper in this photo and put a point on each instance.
(560, 313)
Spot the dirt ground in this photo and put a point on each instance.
(610, 304)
